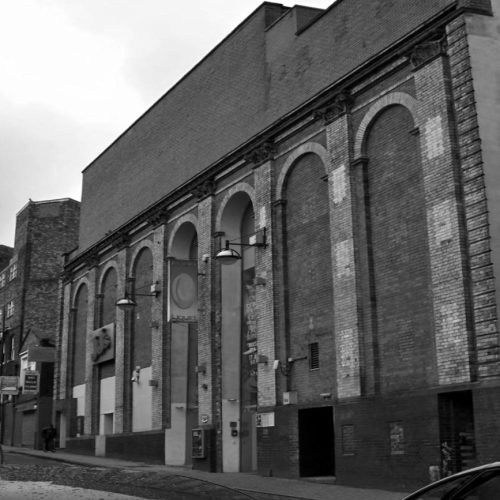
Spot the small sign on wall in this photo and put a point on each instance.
(264, 419)
(31, 382)
(9, 385)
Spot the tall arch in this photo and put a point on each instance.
(304, 149)
(105, 369)
(183, 311)
(78, 355)
(108, 294)
(141, 341)
(309, 273)
(232, 196)
(392, 99)
(79, 349)
(399, 267)
(238, 334)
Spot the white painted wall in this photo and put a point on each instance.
(141, 401)
(79, 395)
(175, 437)
(106, 404)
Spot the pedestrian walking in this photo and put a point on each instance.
(49, 438)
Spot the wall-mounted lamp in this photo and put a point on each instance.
(228, 255)
(127, 303)
(136, 374)
(285, 368)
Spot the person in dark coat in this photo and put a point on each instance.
(49, 438)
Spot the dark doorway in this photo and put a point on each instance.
(456, 431)
(316, 442)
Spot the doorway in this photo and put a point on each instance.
(456, 431)
(316, 442)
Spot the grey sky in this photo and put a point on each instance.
(77, 73)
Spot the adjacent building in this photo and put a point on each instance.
(30, 305)
(287, 264)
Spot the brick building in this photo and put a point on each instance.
(30, 298)
(349, 157)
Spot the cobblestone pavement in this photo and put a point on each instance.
(29, 490)
(142, 484)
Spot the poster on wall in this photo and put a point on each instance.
(9, 385)
(183, 290)
(31, 382)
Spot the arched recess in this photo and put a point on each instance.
(183, 315)
(309, 305)
(78, 357)
(237, 190)
(398, 264)
(178, 243)
(308, 147)
(104, 364)
(392, 99)
(141, 341)
(238, 335)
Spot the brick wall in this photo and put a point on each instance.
(372, 459)
(262, 80)
(309, 277)
(475, 207)
(400, 263)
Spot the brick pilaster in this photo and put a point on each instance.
(123, 412)
(443, 224)
(264, 287)
(91, 392)
(205, 307)
(475, 208)
(158, 317)
(344, 268)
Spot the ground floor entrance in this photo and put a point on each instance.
(316, 442)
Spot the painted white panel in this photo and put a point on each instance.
(79, 395)
(107, 405)
(175, 437)
(230, 444)
(142, 394)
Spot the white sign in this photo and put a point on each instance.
(9, 385)
(264, 419)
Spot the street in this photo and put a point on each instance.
(25, 477)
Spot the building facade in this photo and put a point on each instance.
(30, 296)
(345, 163)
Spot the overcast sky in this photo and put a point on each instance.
(76, 73)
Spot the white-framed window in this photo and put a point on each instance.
(10, 309)
(2, 280)
(12, 272)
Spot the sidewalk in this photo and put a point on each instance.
(294, 488)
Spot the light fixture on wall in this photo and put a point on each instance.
(285, 367)
(136, 374)
(228, 255)
(127, 303)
